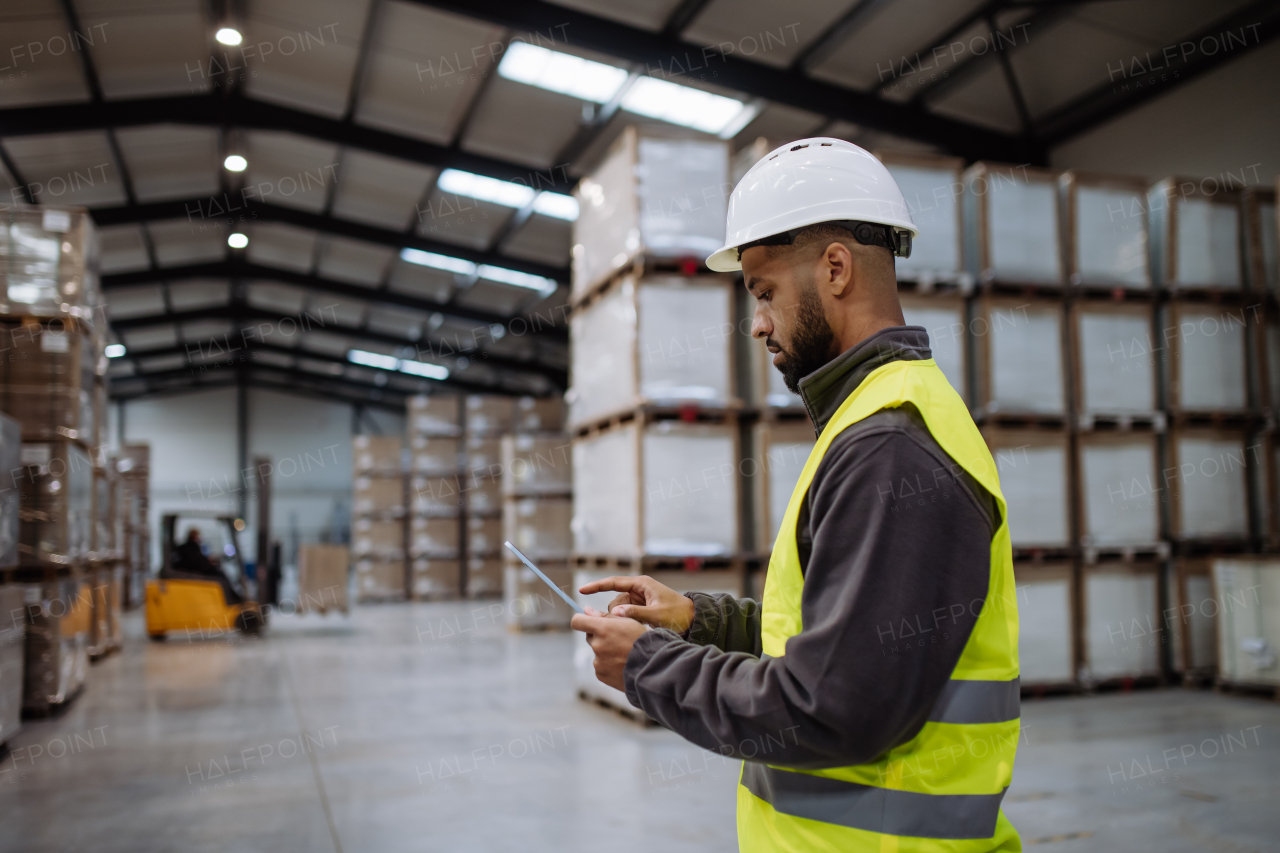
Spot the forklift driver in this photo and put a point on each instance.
(189, 559)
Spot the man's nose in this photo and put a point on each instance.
(761, 325)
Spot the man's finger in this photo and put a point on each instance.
(619, 583)
(588, 624)
(645, 615)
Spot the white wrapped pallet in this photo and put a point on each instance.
(1122, 627)
(1020, 350)
(434, 536)
(932, 189)
(1207, 479)
(943, 318)
(1195, 234)
(434, 454)
(1011, 224)
(651, 197)
(434, 414)
(529, 603)
(1115, 359)
(1106, 235)
(1247, 593)
(541, 527)
(489, 415)
(1032, 465)
(1046, 630)
(1120, 490)
(664, 340)
(1208, 349)
(782, 448)
(536, 464)
(435, 578)
(667, 488)
(484, 536)
(1192, 618)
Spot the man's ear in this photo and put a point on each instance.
(836, 269)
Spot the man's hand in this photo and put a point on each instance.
(645, 600)
(611, 638)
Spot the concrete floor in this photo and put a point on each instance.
(426, 728)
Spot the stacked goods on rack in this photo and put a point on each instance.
(436, 492)
(133, 470)
(13, 628)
(106, 574)
(1011, 226)
(537, 486)
(378, 519)
(933, 190)
(1105, 222)
(323, 571)
(1246, 607)
(488, 418)
(51, 383)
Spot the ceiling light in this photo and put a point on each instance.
(114, 350)
(479, 187)
(390, 362)
(229, 36)
(519, 279)
(235, 163)
(440, 262)
(556, 205)
(561, 72)
(681, 105)
(238, 240)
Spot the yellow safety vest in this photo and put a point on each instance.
(941, 790)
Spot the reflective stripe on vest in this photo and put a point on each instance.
(942, 789)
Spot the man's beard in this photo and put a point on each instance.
(811, 340)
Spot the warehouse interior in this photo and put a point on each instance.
(359, 290)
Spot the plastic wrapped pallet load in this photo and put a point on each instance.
(57, 634)
(1011, 225)
(322, 578)
(488, 415)
(1208, 350)
(435, 415)
(1123, 634)
(12, 653)
(933, 190)
(667, 488)
(1019, 353)
(1120, 490)
(1262, 235)
(432, 454)
(1046, 630)
(1207, 481)
(1106, 230)
(529, 604)
(943, 318)
(542, 527)
(651, 197)
(782, 448)
(48, 379)
(1192, 618)
(1195, 234)
(56, 487)
(1033, 470)
(377, 454)
(1115, 359)
(51, 264)
(435, 578)
(380, 580)
(434, 536)
(1247, 593)
(536, 464)
(665, 340)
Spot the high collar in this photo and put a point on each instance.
(830, 385)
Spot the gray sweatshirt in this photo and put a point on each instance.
(895, 542)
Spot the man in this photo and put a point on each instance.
(873, 693)
(190, 561)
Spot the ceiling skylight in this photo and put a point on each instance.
(561, 72)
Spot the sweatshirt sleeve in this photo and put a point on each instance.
(896, 571)
(727, 623)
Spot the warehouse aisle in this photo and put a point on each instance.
(429, 727)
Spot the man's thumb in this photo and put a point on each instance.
(647, 615)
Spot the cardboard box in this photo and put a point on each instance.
(436, 579)
(322, 578)
(377, 454)
(1115, 358)
(929, 187)
(380, 580)
(1207, 350)
(1195, 235)
(539, 414)
(56, 485)
(98, 587)
(1247, 599)
(51, 266)
(434, 536)
(435, 415)
(57, 634)
(484, 536)
(484, 454)
(484, 495)
(1121, 618)
(650, 197)
(1034, 471)
(529, 603)
(10, 493)
(430, 454)
(1120, 489)
(781, 450)
(1011, 228)
(1206, 483)
(377, 539)
(537, 464)
(1021, 368)
(443, 495)
(665, 340)
(484, 577)
(1106, 230)
(1046, 619)
(13, 628)
(489, 414)
(379, 495)
(540, 527)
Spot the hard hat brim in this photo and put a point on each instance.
(725, 260)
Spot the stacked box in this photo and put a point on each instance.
(56, 485)
(1020, 352)
(1247, 599)
(943, 317)
(1262, 236)
(933, 190)
(537, 483)
(1034, 471)
(49, 379)
(49, 262)
(652, 340)
(1207, 483)
(1192, 618)
(437, 493)
(1195, 235)
(323, 571)
(1123, 635)
(1115, 359)
(650, 199)
(1120, 491)
(782, 448)
(133, 467)
(1208, 349)
(378, 519)
(488, 418)
(10, 492)
(12, 654)
(1012, 225)
(1046, 626)
(1105, 218)
(57, 614)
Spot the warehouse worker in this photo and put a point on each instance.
(873, 693)
(190, 561)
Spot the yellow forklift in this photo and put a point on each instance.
(180, 600)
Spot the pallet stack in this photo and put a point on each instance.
(132, 514)
(378, 519)
(488, 418)
(51, 383)
(436, 496)
(537, 513)
(12, 596)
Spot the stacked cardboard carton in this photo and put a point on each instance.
(378, 518)
(488, 419)
(133, 531)
(537, 488)
(436, 495)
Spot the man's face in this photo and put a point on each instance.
(789, 313)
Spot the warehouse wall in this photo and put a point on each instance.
(194, 459)
(1205, 128)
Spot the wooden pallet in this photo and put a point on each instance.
(655, 562)
(647, 413)
(1137, 422)
(1248, 688)
(629, 713)
(51, 712)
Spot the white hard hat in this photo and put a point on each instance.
(810, 181)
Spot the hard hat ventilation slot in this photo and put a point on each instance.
(798, 147)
